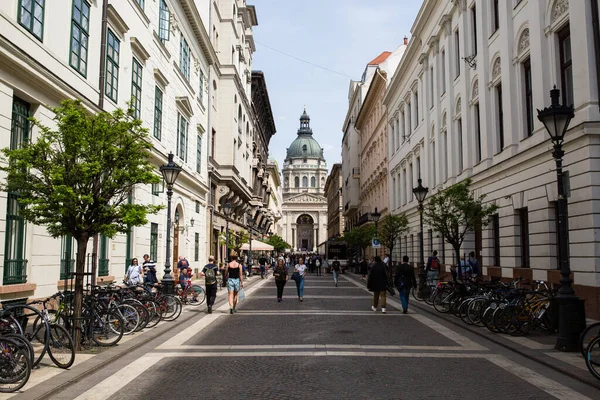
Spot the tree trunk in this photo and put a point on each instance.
(457, 252)
(82, 243)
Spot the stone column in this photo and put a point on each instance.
(315, 234)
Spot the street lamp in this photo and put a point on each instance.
(250, 222)
(376, 215)
(571, 317)
(170, 172)
(227, 211)
(420, 193)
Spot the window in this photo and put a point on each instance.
(184, 58)
(431, 87)
(199, 154)
(394, 201)
(566, 66)
(444, 144)
(112, 65)
(500, 118)
(418, 166)
(158, 188)
(136, 88)
(524, 225)
(158, 97)
(213, 144)
(433, 158)
(411, 182)
(496, 238)
(141, 3)
(474, 28)
(495, 16)
(457, 54)
(182, 130)
(31, 16)
(80, 24)
(313, 182)
(196, 246)
(528, 97)
(20, 129)
(164, 22)
(201, 88)
(197, 203)
(477, 134)
(459, 133)
(296, 182)
(153, 241)
(67, 260)
(304, 181)
(103, 256)
(416, 108)
(443, 72)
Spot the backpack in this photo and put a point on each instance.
(435, 264)
(210, 276)
(318, 263)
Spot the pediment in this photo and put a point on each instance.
(306, 198)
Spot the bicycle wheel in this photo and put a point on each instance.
(592, 357)
(475, 311)
(171, 306)
(415, 293)
(195, 295)
(61, 348)
(106, 329)
(142, 311)
(15, 366)
(442, 300)
(37, 335)
(130, 316)
(463, 311)
(22, 340)
(155, 312)
(587, 336)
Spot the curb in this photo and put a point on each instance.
(102, 360)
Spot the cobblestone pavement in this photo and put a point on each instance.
(330, 346)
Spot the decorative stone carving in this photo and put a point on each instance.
(475, 92)
(196, 64)
(560, 8)
(174, 23)
(496, 69)
(306, 199)
(523, 41)
(424, 60)
(444, 120)
(446, 24)
(458, 106)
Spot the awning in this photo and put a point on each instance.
(256, 245)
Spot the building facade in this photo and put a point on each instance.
(462, 105)
(275, 198)
(335, 203)
(350, 157)
(304, 204)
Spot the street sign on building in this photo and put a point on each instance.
(375, 243)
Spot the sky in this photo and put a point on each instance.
(340, 35)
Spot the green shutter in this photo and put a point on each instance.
(158, 104)
(136, 88)
(67, 261)
(153, 241)
(196, 246)
(103, 257)
(199, 154)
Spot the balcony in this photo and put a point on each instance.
(356, 172)
(67, 268)
(15, 272)
(363, 219)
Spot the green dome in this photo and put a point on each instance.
(305, 146)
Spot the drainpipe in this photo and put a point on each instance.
(211, 215)
(596, 32)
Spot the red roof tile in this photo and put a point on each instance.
(380, 58)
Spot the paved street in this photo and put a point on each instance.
(330, 346)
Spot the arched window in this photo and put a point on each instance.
(313, 182)
(296, 182)
(287, 182)
(322, 182)
(304, 148)
(240, 119)
(304, 181)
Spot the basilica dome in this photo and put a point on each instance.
(305, 146)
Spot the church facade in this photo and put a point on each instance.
(304, 206)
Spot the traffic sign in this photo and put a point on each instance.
(375, 243)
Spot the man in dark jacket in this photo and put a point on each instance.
(377, 282)
(405, 279)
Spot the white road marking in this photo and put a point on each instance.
(530, 344)
(308, 298)
(547, 385)
(573, 359)
(313, 346)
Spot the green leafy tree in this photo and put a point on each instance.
(278, 243)
(456, 211)
(236, 240)
(390, 228)
(359, 238)
(76, 178)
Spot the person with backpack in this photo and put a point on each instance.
(210, 272)
(318, 265)
(377, 282)
(262, 262)
(404, 280)
(336, 267)
(433, 269)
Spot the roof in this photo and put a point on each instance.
(380, 58)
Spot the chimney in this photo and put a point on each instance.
(405, 41)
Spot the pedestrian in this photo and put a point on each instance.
(364, 268)
(318, 265)
(433, 269)
(184, 278)
(475, 265)
(262, 261)
(287, 262)
(281, 277)
(335, 268)
(149, 268)
(463, 270)
(210, 272)
(135, 274)
(404, 281)
(222, 272)
(300, 268)
(377, 282)
(235, 281)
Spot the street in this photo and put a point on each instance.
(330, 346)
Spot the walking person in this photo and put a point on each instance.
(210, 272)
(318, 265)
(300, 268)
(433, 269)
(135, 274)
(475, 265)
(377, 282)
(281, 278)
(364, 268)
(404, 281)
(262, 261)
(149, 267)
(335, 268)
(235, 281)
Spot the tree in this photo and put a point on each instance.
(236, 240)
(359, 238)
(76, 179)
(278, 243)
(390, 228)
(455, 211)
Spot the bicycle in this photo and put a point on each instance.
(592, 357)
(587, 336)
(15, 365)
(192, 294)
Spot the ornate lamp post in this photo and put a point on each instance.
(227, 211)
(170, 172)
(250, 222)
(376, 215)
(571, 319)
(420, 193)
